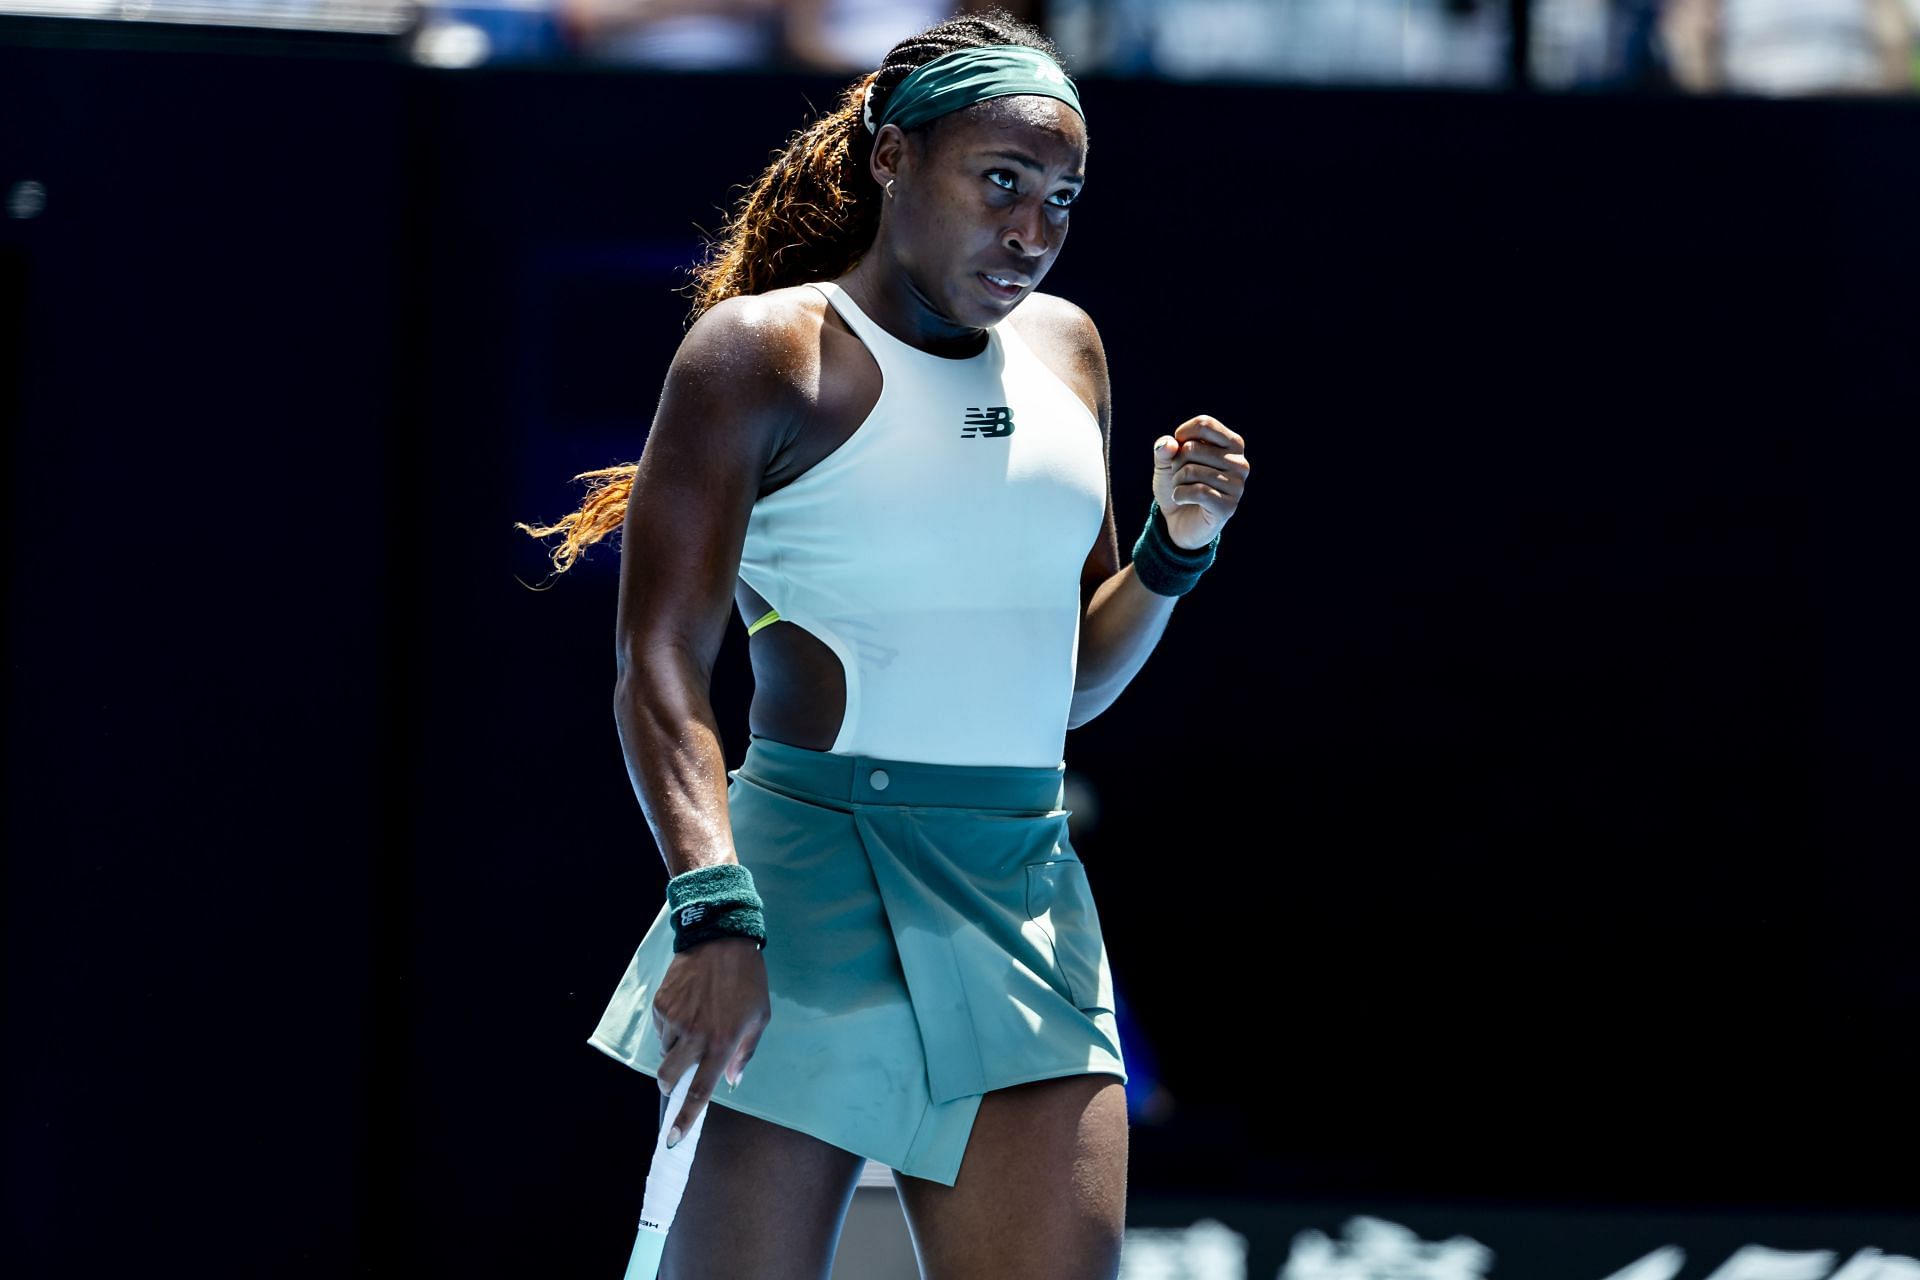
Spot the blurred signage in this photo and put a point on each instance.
(1374, 1249)
(381, 16)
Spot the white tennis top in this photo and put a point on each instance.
(938, 552)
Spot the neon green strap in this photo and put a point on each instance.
(771, 615)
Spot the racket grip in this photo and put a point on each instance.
(666, 1184)
(647, 1248)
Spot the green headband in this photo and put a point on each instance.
(966, 76)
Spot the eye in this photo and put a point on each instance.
(1059, 199)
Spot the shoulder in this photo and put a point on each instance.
(1064, 336)
(747, 369)
(766, 342)
(1052, 317)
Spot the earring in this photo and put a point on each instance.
(890, 188)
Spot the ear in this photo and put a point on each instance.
(889, 154)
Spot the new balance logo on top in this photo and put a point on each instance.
(693, 915)
(994, 420)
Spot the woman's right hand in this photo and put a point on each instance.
(711, 1008)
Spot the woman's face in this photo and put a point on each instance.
(979, 209)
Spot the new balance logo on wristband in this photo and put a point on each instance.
(994, 420)
(693, 914)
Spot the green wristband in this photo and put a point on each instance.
(715, 901)
(1162, 565)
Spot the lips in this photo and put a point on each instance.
(1011, 289)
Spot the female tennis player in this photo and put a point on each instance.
(889, 452)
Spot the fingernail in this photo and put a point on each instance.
(673, 1137)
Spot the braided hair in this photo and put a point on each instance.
(810, 215)
(816, 209)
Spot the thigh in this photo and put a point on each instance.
(762, 1200)
(1042, 1189)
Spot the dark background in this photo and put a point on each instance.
(1548, 716)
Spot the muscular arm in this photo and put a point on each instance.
(1121, 621)
(732, 395)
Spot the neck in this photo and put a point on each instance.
(886, 293)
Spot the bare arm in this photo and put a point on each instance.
(1122, 624)
(1121, 621)
(730, 398)
(1200, 471)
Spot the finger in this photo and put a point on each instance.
(1219, 455)
(727, 1053)
(698, 1092)
(1201, 495)
(1207, 427)
(685, 1052)
(749, 1045)
(1224, 481)
(1166, 451)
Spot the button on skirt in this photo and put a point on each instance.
(931, 935)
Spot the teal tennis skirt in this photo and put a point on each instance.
(931, 935)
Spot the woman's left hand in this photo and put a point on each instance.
(1199, 473)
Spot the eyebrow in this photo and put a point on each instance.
(1023, 158)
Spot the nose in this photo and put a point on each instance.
(1027, 234)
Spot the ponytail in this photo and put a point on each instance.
(811, 215)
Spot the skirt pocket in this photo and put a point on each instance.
(1060, 902)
